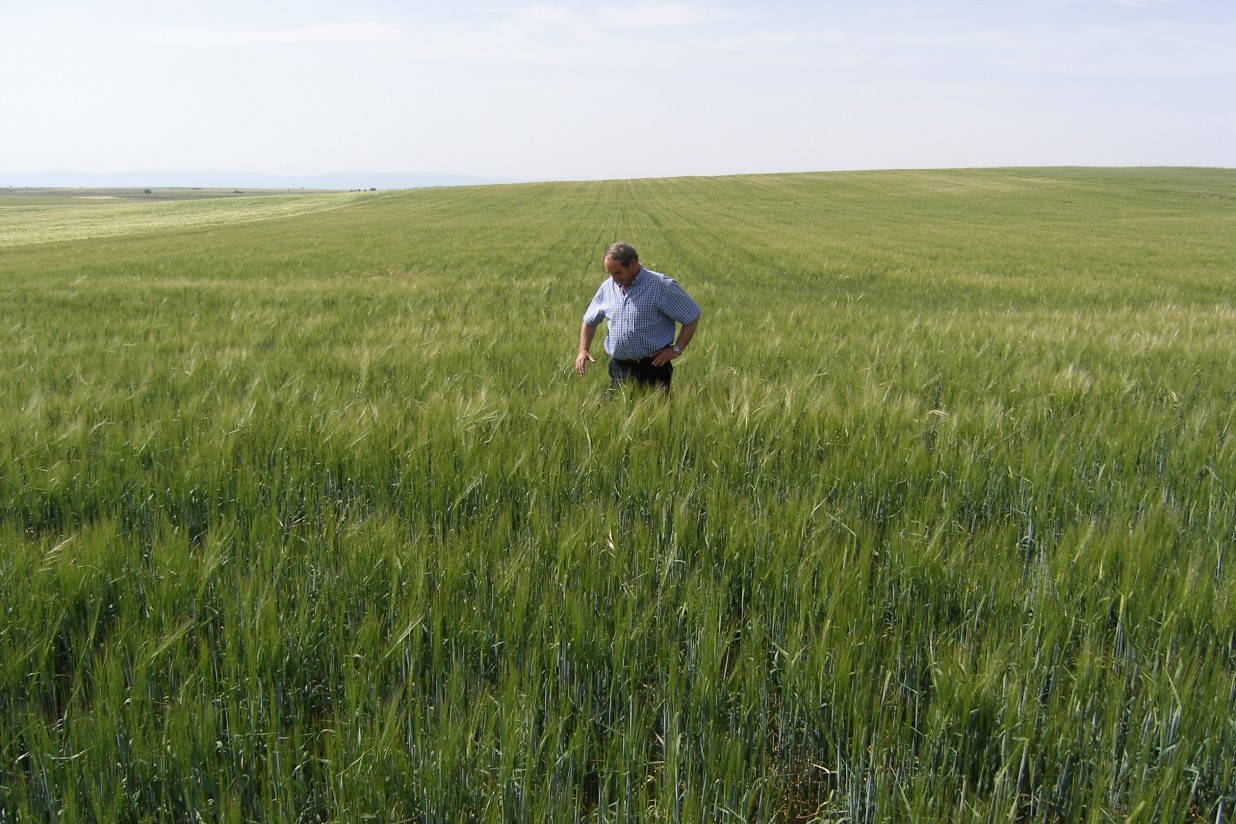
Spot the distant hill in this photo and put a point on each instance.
(253, 180)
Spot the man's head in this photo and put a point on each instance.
(622, 263)
(622, 252)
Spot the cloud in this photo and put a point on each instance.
(673, 35)
(632, 38)
(1143, 50)
(320, 34)
(661, 16)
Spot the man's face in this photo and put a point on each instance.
(622, 275)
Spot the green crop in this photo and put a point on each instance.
(304, 514)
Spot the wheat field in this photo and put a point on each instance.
(305, 516)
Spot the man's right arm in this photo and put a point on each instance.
(586, 333)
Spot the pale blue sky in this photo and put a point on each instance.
(554, 90)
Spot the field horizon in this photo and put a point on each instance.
(342, 180)
(304, 514)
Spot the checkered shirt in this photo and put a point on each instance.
(641, 320)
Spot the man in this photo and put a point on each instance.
(644, 309)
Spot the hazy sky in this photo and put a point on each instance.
(555, 90)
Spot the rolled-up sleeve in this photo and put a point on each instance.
(677, 304)
(595, 313)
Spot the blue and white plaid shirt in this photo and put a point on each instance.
(642, 319)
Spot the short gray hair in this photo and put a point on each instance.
(621, 252)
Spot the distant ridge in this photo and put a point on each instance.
(241, 180)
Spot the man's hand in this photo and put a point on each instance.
(582, 360)
(664, 356)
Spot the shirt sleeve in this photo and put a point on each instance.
(595, 313)
(677, 304)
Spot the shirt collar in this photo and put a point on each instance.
(635, 279)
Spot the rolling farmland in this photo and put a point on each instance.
(304, 514)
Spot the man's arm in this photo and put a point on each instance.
(582, 360)
(684, 337)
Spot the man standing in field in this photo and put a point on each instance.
(644, 309)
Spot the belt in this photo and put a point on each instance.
(646, 361)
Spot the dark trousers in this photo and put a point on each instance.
(640, 373)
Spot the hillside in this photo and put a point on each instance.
(305, 514)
